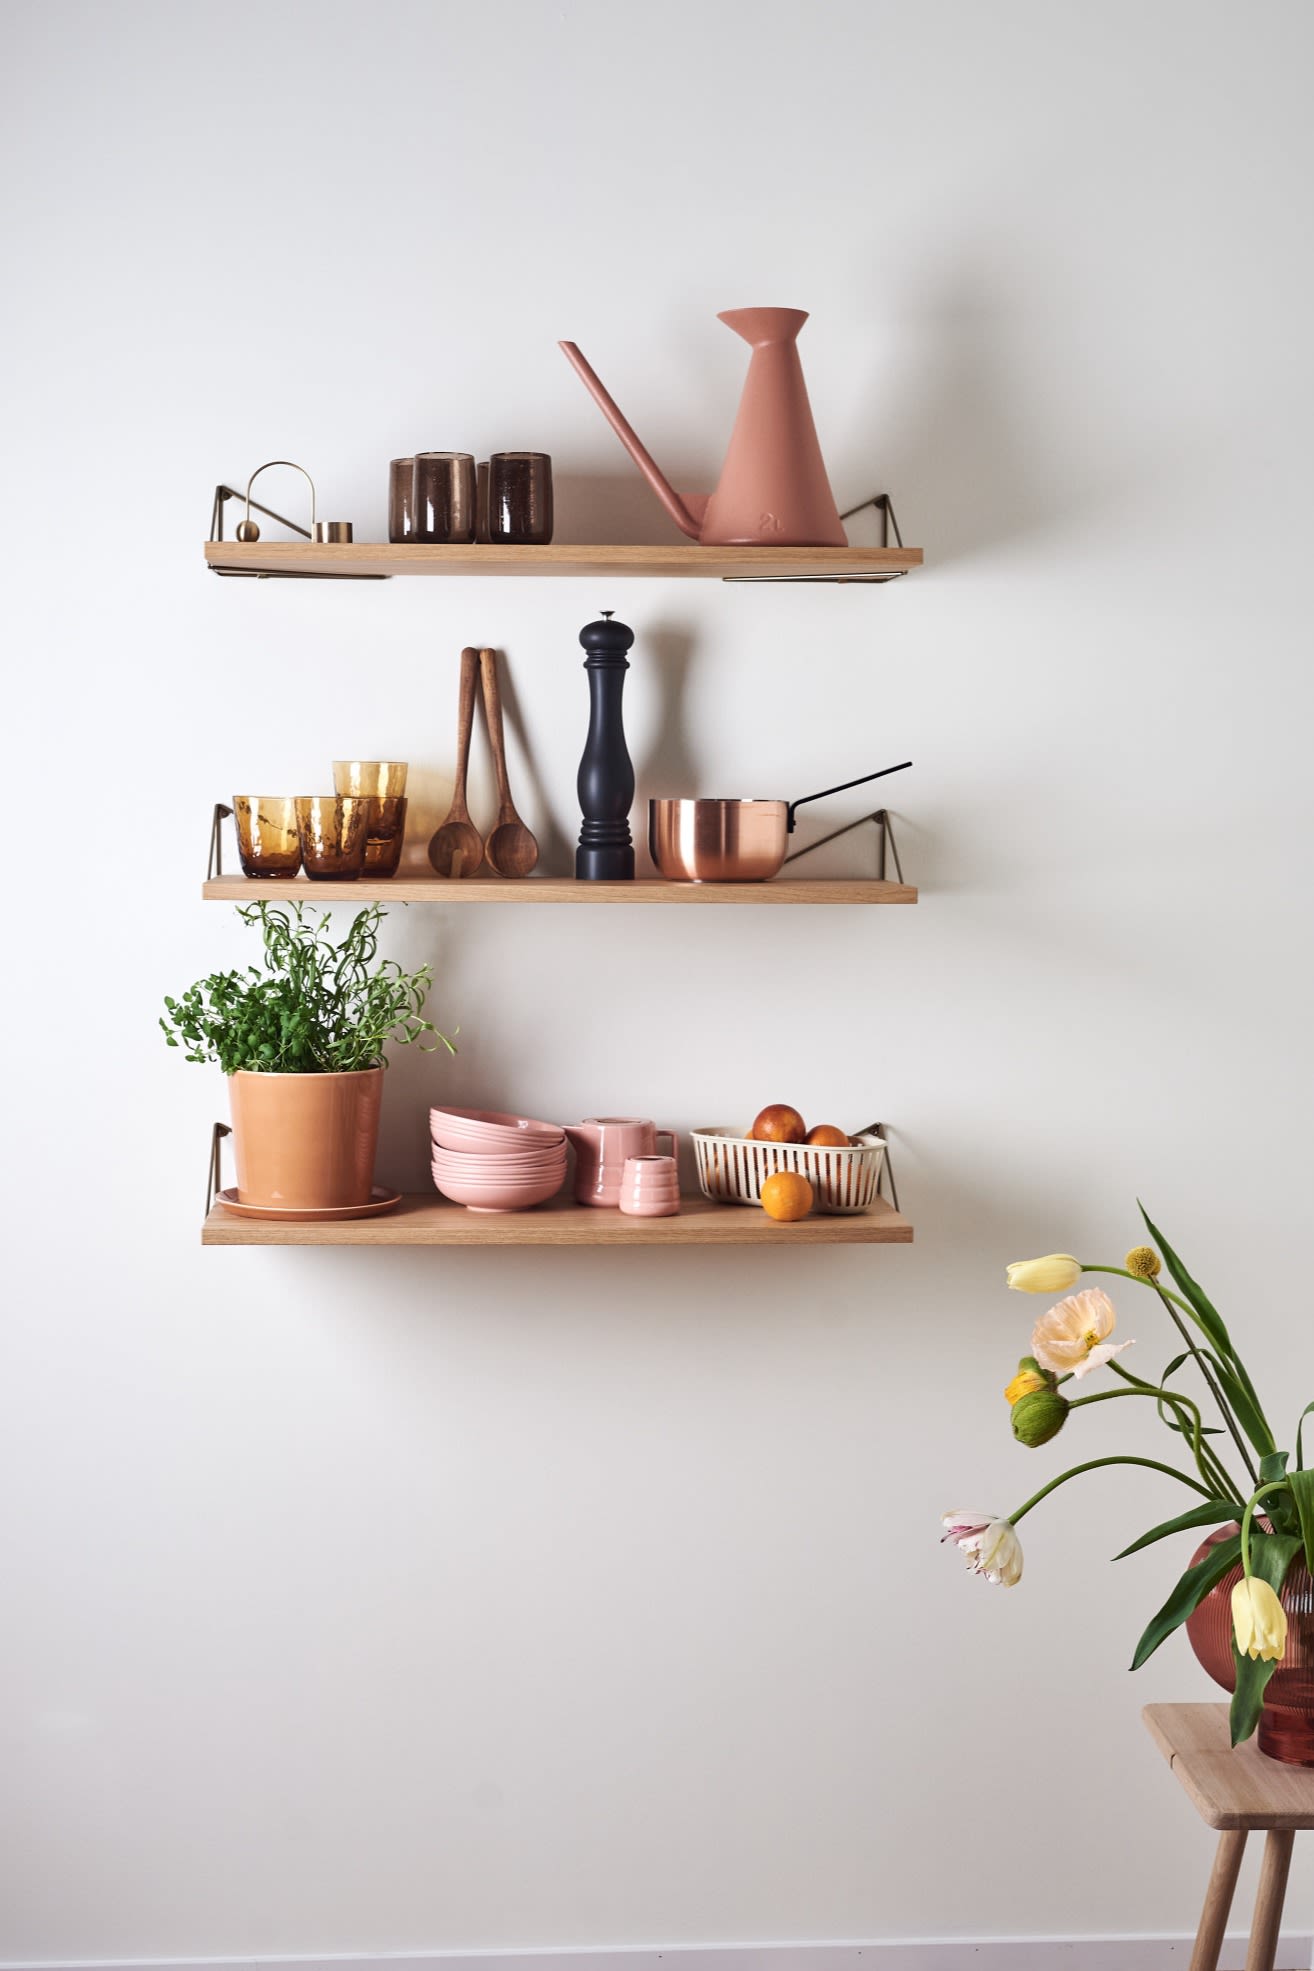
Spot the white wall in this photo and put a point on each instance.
(368, 1600)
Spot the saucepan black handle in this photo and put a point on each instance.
(861, 781)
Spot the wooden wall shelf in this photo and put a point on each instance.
(425, 1219)
(726, 564)
(553, 889)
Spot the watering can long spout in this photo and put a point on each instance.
(686, 511)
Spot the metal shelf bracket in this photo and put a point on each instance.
(222, 495)
(889, 524)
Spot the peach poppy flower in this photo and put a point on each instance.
(1071, 1338)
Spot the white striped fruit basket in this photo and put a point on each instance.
(732, 1169)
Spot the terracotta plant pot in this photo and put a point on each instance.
(1286, 1723)
(305, 1141)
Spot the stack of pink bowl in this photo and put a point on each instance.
(488, 1161)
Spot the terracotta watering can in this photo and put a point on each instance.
(773, 490)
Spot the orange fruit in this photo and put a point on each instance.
(778, 1123)
(826, 1137)
(786, 1195)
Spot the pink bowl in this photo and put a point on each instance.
(491, 1130)
(494, 1194)
(509, 1169)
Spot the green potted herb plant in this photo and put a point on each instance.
(301, 1038)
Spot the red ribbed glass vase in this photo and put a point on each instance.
(1286, 1723)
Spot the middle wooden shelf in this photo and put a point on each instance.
(552, 889)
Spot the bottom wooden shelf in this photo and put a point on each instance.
(425, 1219)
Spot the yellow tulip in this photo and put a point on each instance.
(1258, 1620)
(1055, 1273)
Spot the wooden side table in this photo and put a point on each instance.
(1235, 1790)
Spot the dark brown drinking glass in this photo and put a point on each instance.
(520, 498)
(385, 833)
(267, 840)
(332, 828)
(444, 496)
(401, 499)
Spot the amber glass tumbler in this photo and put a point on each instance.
(385, 834)
(267, 840)
(332, 828)
(383, 784)
(520, 498)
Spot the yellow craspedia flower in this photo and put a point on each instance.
(1055, 1273)
(1144, 1262)
(1258, 1620)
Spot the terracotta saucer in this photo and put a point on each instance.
(380, 1200)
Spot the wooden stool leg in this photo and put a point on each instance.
(1218, 1899)
(1268, 1903)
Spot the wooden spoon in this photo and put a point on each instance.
(511, 849)
(457, 849)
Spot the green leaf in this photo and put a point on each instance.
(1300, 1456)
(1270, 1557)
(1187, 1596)
(1273, 1467)
(1241, 1398)
(1214, 1512)
(1302, 1488)
(1206, 1314)
(1252, 1675)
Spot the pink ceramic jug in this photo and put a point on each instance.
(602, 1145)
(773, 490)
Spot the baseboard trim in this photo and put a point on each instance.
(1107, 1953)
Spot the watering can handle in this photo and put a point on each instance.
(844, 785)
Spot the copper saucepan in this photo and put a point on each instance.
(730, 841)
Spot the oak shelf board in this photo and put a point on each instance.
(493, 558)
(425, 1219)
(552, 889)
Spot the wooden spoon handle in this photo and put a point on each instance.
(493, 713)
(464, 723)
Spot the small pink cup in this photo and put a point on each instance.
(650, 1187)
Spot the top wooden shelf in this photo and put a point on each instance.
(726, 564)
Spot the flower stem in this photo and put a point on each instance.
(1217, 1474)
(1278, 1485)
(1172, 1303)
(1094, 1464)
(1179, 1403)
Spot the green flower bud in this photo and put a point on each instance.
(1039, 1416)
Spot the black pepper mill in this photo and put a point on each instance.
(606, 772)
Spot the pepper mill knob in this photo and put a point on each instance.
(606, 772)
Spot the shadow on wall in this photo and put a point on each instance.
(617, 508)
(975, 448)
